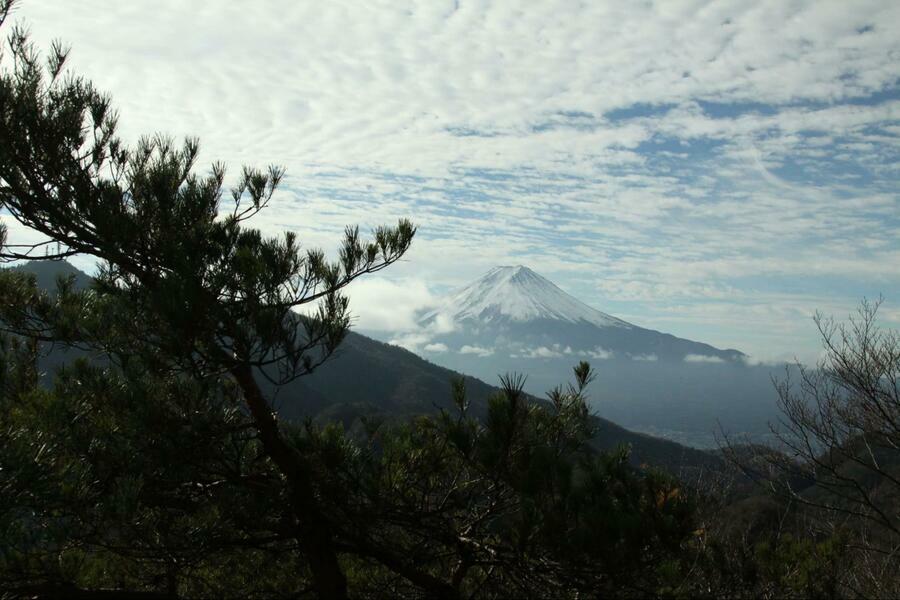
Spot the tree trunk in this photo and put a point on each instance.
(315, 535)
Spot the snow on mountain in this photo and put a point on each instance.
(518, 294)
(512, 320)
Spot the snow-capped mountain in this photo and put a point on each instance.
(513, 320)
(518, 294)
(514, 312)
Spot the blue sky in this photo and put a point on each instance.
(717, 170)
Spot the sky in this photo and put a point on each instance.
(715, 170)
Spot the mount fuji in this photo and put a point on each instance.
(514, 320)
(367, 378)
(513, 310)
(519, 294)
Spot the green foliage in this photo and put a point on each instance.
(172, 253)
(159, 464)
(806, 568)
(114, 477)
(155, 463)
(509, 505)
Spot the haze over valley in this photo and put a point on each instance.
(514, 320)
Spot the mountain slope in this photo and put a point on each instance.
(518, 294)
(512, 319)
(367, 377)
(46, 273)
(515, 311)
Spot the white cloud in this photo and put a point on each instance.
(645, 357)
(442, 323)
(772, 361)
(380, 304)
(702, 358)
(541, 352)
(436, 348)
(387, 85)
(495, 129)
(412, 341)
(598, 353)
(476, 350)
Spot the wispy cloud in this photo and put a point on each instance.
(717, 170)
(702, 358)
(476, 350)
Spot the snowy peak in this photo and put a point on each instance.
(519, 294)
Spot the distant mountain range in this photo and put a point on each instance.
(370, 378)
(46, 272)
(513, 319)
(518, 294)
(515, 311)
(374, 378)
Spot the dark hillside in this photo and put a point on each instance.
(47, 272)
(379, 378)
(367, 378)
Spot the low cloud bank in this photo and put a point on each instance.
(702, 358)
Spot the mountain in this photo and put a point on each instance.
(514, 320)
(519, 294)
(366, 377)
(46, 272)
(516, 311)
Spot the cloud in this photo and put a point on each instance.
(598, 353)
(645, 357)
(541, 352)
(380, 304)
(662, 161)
(413, 341)
(476, 350)
(436, 348)
(769, 361)
(702, 358)
(442, 323)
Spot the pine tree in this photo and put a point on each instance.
(185, 285)
(162, 467)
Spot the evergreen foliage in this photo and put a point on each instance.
(163, 470)
(153, 464)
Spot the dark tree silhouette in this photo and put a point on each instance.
(184, 285)
(837, 443)
(161, 468)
